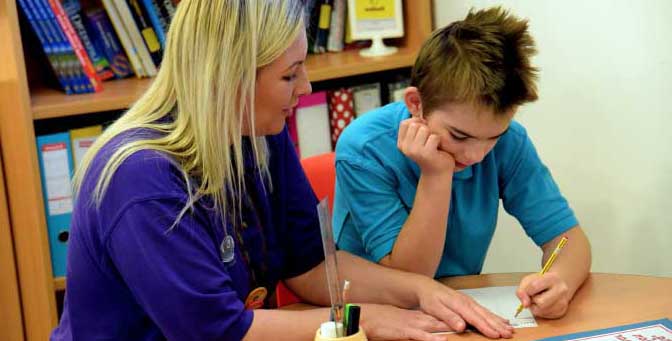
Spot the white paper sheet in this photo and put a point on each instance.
(503, 302)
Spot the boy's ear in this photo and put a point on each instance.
(413, 101)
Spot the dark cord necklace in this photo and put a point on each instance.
(250, 219)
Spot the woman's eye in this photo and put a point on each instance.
(458, 138)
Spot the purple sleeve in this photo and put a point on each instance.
(176, 275)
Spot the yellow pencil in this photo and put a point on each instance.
(547, 266)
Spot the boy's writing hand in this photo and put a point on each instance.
(420, 145)
(546, 295)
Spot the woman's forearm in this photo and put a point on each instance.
(369, 283)
(286, 325)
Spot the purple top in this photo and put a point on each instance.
(129, 278)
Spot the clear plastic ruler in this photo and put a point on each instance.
(331, 265)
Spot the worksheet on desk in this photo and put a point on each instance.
(503, 302)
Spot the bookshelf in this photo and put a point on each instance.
(24, 102)
(10, 309)
(52, 103)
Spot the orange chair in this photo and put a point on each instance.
(321, 173)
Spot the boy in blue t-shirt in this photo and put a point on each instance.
(419, 182)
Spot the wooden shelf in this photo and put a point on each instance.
(117, 94)
(59, 283)
(120, 94)
(350, 63)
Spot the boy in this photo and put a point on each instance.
(419, 181)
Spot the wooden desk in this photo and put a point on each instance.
(605, 300)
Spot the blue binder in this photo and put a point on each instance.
(55, 156)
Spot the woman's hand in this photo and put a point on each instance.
(546, 295)
(420, 145)
(386, 322)
(457, 310)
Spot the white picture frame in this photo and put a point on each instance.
(375, 20)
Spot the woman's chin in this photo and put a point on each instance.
(274, 129)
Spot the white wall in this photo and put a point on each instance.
(603, 125)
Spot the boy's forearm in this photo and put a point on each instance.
(573, 263)
(420, 243)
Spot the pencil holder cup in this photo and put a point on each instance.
(359, 336)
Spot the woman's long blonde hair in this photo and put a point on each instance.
(205, 84)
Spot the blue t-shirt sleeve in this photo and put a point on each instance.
(528, 190)
(373, 204)
(176, 276)
(294, 208)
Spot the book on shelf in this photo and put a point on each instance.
(54, 155)
(337, 27)
(47, 41)
(341, 112)
(158, 19)
(168, 7)
(106, 40)
(93, 81)
(133, 31)
(396, 89)
(312, 124)
(310, 20)
(323, 23)
(81, 140)
(146, 29)
(58, 49)
(367, 98)
(125, 39)
(72, 69)
(73, 9)
(334, 109)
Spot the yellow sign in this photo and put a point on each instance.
(374, 9)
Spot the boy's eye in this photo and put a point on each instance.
(458, 138)
(290, 77)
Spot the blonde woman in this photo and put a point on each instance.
(193, 204)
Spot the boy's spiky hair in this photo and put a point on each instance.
(483, 59)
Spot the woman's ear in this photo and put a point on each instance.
(413, 101)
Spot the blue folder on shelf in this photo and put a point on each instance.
(55, 157)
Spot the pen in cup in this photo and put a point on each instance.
(353, 319)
